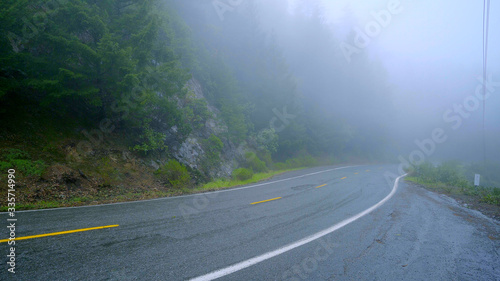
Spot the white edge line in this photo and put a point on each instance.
(188, 195)
(247, 263)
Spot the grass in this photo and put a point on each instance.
(483, 194)
(451, 177)
(436, 186)
(225, 183)
(103, 198)
(35, 206)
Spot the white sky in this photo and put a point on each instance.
(426, 31)
(432, 51)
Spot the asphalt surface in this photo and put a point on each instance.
(415, 235)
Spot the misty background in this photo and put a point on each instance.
(396, 89)
(179, 95)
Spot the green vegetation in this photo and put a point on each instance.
(293, 163)
(212, 147)
(130, 61)
(127, 64)
(196, 111)
(492, 197)
(450, 173)
(34, 206)
(253, 163)
(19, 160)
(449, 177)
(225, 183)
(93, 60)
(242, 174)
(110, 196)
(108, 171)
(489, 172)
(152, 141)
(175, 174)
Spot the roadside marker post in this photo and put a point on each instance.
(476, 179)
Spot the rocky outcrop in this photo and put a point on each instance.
(190, 152)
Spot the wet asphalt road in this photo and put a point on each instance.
(416, 235)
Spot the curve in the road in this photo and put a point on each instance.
(180, 196)
(247, 263)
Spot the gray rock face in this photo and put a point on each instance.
(190, 152)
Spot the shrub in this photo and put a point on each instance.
(302, 161)
(450, 177)
(267, 139)
(151, 141)
(452, 173)
(493, 197)
(488, 171)
(253, 162)
(19, 160)
(426, 172)
(12, 153)
(108, 171)
(213, 147)
(196, 111)
(307, 161)
(242, 174)
(28, 167)
(449, 173)
(174, 173)
(280, 166)
(292, 163)
(4, 166)
(296, 162)
(265, 156)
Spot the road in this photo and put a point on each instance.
(413, 235)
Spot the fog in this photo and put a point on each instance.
(432, 53)
(417, 71)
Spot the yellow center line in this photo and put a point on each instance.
(265, 201)
(355, 173)
(58, 233)
(367, 170)
(343, 178)
(321, 185)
